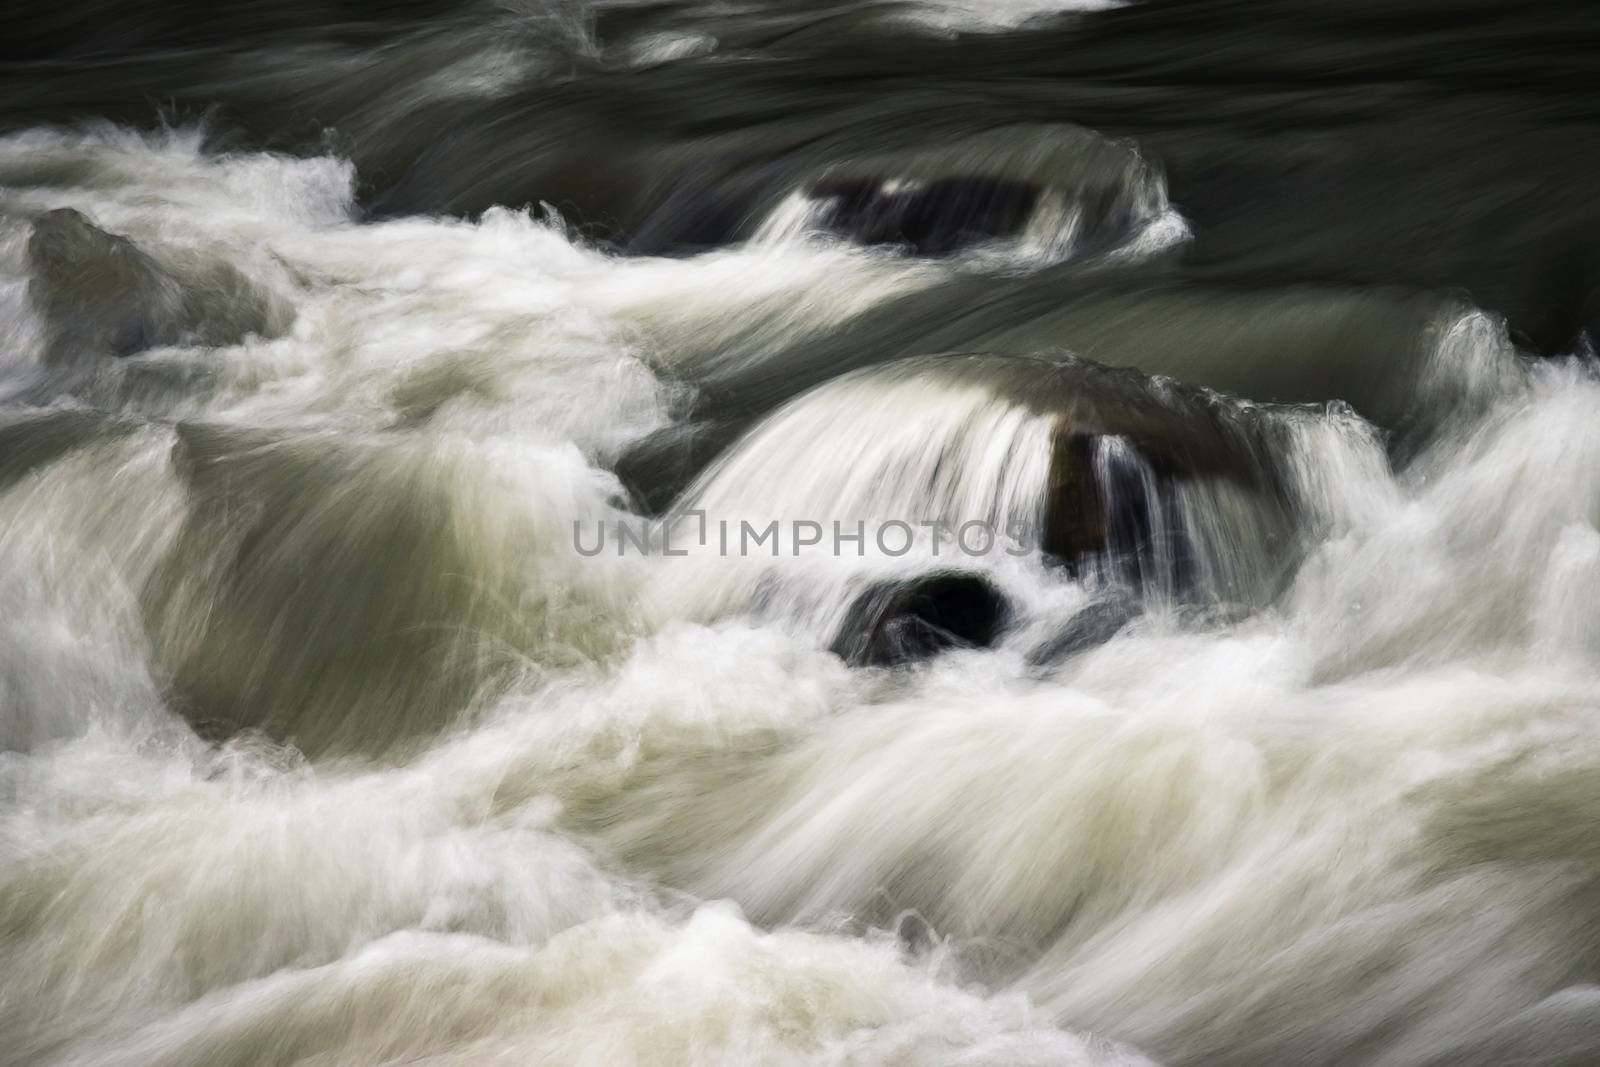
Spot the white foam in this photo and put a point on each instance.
(1361, 812)
(995, 16)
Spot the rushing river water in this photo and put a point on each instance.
(1179, 641)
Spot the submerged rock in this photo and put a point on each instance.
(897, 622)
(1113, 506)
(1081, 192)
(34, 439)
(656, 468)
(341, 591)
(1090, 628)
(100, 294)
(930, 218)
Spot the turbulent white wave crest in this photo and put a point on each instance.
(992, 16)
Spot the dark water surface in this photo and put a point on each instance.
(1254, 718)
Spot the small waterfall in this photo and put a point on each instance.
(896, 446)
(1038, 474)
(1142, 530)
(871, 484)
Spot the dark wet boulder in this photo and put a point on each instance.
(656, 468)
(903, 621)
(100, 294)
(1075, 519)
(1090, 628)
(1113, 507)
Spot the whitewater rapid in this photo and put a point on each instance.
(320, 743)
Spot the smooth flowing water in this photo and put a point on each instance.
(1177, 639)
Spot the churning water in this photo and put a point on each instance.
(1171, 434)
